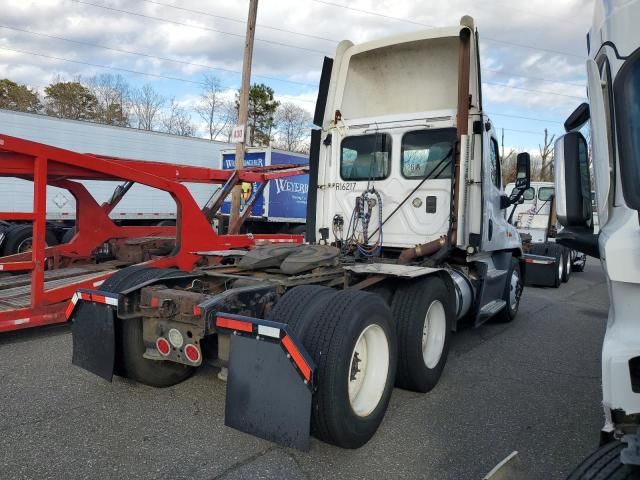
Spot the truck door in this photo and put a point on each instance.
(494, 223)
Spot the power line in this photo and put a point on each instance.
(135, 72)
(237, 20)
(544, 120)
(199, 27)
(413, 22)
(532, 90)
(506, 73)
(147, 55)
(523, 131)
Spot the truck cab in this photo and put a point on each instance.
(393, 125)
(613, 75)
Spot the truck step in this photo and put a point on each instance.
(493, 274)
(491, 308)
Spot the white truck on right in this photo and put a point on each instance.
(613, 74)
(537, 222)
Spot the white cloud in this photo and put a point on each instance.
(559, 26)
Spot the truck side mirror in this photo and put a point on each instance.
(573, 194)
(573, 181)
(523, 171)
(523, 180)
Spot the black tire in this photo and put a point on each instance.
(166, 223)
(410, 305)
(332, 328)
(508, 313)
(130, 347)
(555, 251)
(566, 258)
(20, 236)
(68, 235)
(298, 306)
(604, 464)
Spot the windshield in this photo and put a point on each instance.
(545, 193)
(365, 157)
(627, 106)
(426, 153)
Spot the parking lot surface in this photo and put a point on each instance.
(531, 386)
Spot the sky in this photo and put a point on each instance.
(532, 52)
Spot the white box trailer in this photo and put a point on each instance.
(141, 205)
(140, 202)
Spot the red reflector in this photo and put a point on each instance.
(232, 324)
(197, 311)
(297, 357)
(155, 302)
(192, 353)
(163, 346)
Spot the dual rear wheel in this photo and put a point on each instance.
(362, 347)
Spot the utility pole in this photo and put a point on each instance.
(236, 195)
(502, 156)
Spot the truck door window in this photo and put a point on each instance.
(529, 193)
(365, 157)
(428, 153)
(495, 164)
(545, 193)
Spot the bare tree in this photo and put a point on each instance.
(113, 95)
(229, 116)
(508, 167)
(546, 157)
(293, 124)
(177, 121)
(210, 106)
(146, 105)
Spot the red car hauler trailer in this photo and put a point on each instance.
(40, 297)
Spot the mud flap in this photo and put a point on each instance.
(270, 383)
(539, 270)
(92, 317)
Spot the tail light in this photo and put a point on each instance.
(163, 346)
(192, 353)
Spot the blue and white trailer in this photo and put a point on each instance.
(282, 207)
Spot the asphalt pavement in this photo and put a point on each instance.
(531, 386)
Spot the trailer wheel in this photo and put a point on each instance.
(605, 464)
(512, 293)
(580, 262)
(349, 336)
(566, 258)
(555, 250)
(20, 239)
(423, 314)
(130, 347)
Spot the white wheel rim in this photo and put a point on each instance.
(368, 370)
(434, 333)
(513, 292)
(560, 268)
(568, 264)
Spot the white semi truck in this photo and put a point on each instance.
(613, 74)
(536, 220)
(407, 240)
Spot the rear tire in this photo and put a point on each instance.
(423, 313)
(604, 464)
(566, 258)
(20, 239)
(130, 346)
(349, 336)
